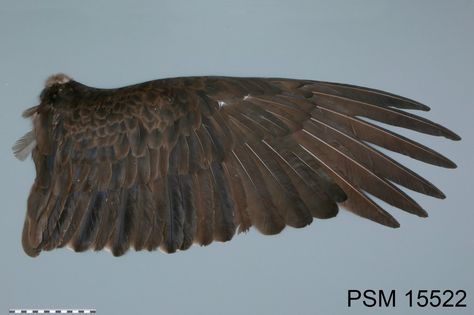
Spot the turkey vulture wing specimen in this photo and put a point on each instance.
(172, 162)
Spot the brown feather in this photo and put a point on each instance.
(120, 238)
(242, 218)
(143, 212)
(154, 157)
(224, 224)
(189, 223)
(131, 170)
(81, 207)
(204, 200)
(121, 147)
(143, 168)
(88, 227)
(137, 137)
(173, 235)
(107, 219)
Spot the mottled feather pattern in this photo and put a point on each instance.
(172, 162)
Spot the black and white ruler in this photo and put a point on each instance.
(51, 311)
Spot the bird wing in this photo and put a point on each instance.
(172, 162)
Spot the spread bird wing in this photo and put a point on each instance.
(172, 162)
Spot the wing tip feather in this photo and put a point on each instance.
(452, 135)
(391, 223)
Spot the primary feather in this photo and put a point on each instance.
(171, 162)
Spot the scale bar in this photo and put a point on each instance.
(52, 311)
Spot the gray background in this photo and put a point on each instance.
(419, 49)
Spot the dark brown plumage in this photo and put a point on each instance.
(172, 162)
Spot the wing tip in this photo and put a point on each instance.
(385, 219)
(422, 213)
(449, 164)
(438, 194)
(445, 132)
(453, 136)
(392, 224)
(415, 105)
(423, 107)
